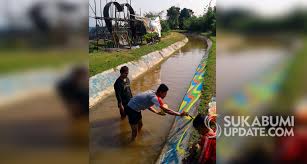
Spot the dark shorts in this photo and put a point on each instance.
(133, 116)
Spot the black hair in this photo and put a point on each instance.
(162, 88)
(123, 69)
(199, 121)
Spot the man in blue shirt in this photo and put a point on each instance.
(147, 100)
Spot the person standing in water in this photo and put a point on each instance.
(147, 100)
(122, 90)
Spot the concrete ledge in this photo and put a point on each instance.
(101, 85)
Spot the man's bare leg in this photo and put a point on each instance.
(140, 125)
(134, 128)
(122, 113)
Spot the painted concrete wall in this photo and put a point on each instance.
(22, 85)
(175, 147)
(101, 85)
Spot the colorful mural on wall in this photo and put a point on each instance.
(258, 92)
(251, 100)
(175, 147)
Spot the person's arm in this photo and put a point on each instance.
(159, 103)
(155, 111)
(171, 112)
(117, 89)
(129, 87)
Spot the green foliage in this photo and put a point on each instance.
(186, 24)
(209, 19)
(196, 24)
(213, 27)
(109, 43)
(151, 37)
(205, 23)
(209, 84)
(246, 22)
(184, 15)
(24, 59)
(294, 88)
(164, 25)
(173, 16)
(186, 21)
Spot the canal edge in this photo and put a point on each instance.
(169, 152)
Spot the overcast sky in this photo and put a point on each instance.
(261, 7)
(264, 7)
(161, 5)
(17, 8)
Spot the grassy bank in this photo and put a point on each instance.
(101, 61)
(22, 60)
(294, 87)
(209, 87)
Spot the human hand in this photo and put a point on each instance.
(121, 107)
(161, 113)
(165, 106)
(184, 114)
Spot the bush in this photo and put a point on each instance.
(196, 24)
(186, 24)
(151, 37)
(165, 26)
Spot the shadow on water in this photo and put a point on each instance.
(109, 135)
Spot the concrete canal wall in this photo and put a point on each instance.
(176, 144)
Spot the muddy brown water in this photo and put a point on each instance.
(109, 135)
(40, 130)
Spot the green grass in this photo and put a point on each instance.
(206, 34)
(21, 60)
(180, 31)
(101, 61)
(294, 87)
(209, 85)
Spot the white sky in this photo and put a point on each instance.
(17, 8)
(158, 5)
(264, 7)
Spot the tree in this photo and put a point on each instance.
(205, 23)
(196, 24)
(213, 27)
(209, 20)
(173, 15)
(186, 23)
(184, 14)
(164, 26)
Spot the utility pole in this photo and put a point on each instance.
(96, 27)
